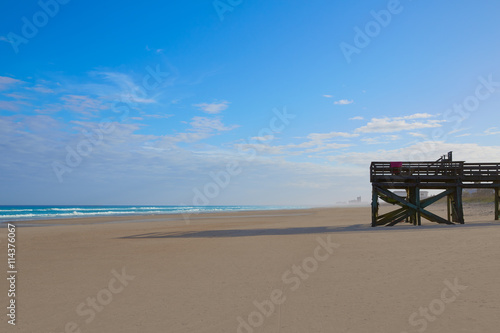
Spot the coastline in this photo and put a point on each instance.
(140, 218)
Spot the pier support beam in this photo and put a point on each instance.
(497, 202)
(448, 204)
(374, 207)
(411, 207)
(417, 203)
(459, 205)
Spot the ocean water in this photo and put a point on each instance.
(26, 213)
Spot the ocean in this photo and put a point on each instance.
(27, 213)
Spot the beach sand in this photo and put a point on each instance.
(315, 270)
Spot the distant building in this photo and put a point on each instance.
(402, 194)
(357, 201)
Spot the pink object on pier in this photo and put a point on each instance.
(396, 164)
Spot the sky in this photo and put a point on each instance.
(238, 102)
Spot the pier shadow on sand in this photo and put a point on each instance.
(296, 231)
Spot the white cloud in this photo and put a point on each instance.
(9, 106)
(50, 108)
(373, 141)
(456, 131)
(308, 184)
(321, 139)
(261, 148)
(326, 136)
(285, 149)
(157, 116)
(328, 96)
(343, 102)
(6, 82)
(387, 125)
(210, 124)
(155, 50)
(356, 118)
(129, 90)
(381, 139)
(416, 116)
(318, 142)
(462, 135)
(328, 146)
(417, 135)
(126, 160)
(263, 138)
(17, 96)
(423, 151)
(120, 79)
(85, 105)
(136, 99)
(201, 128)
(492, 131)
(213, 108)
(41, 89)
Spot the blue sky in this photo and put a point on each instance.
(238, 102)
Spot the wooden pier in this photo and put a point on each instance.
(445, 174)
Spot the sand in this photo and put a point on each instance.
(317, 270)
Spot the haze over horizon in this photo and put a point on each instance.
(255, 103)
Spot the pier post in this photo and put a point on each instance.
(460, 207)
(497, 200)
(374, 206)
(417, 203)
(448, 201)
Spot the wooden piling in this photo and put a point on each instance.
(497, 200)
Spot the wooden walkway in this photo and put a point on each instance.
(452, 177)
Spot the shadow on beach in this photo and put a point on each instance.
(297, 231)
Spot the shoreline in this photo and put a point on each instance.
(174, 217)
(474, 213)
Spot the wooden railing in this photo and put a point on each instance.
(481, 171)
(416, 169)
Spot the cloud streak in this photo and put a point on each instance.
(343, 102)
(212, 108)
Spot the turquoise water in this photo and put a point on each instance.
(26, 213)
